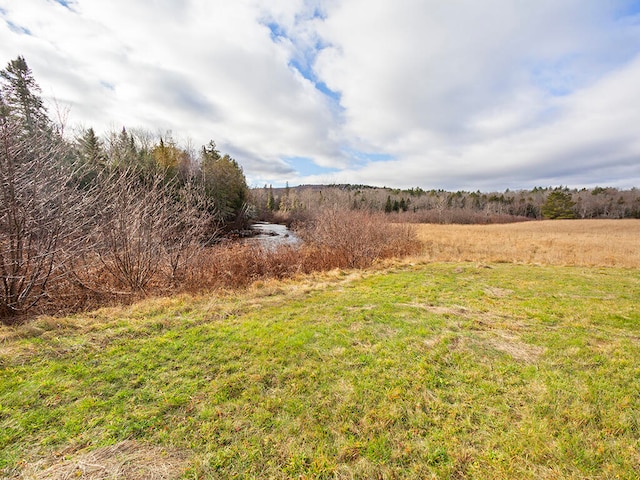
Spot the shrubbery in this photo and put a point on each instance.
(357, 238)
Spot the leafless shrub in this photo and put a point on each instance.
(335, 239)
(146, 227)
(233, 265)
(356, 239)
(39, 217)
(189, 227)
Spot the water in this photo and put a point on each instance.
(273, 235)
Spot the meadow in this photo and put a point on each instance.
(507, 351)
(551, 242)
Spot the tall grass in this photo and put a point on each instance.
(552, 242)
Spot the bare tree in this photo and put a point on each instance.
(146, 226)
(191, 223)
(36, 213)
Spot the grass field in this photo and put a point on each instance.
(415, 370)
(552, 242)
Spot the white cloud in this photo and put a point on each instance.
(466, 94)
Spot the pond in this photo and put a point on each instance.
(273, 235)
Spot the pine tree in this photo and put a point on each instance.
(271, 201)
(90, 149)
(122, 150)
(21, 97)
(388, 207)
(558, 205)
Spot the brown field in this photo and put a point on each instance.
(551, 242)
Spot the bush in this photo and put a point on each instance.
(356, 239)
(41, 218)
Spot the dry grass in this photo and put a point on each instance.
(553, 242)
(128, 460)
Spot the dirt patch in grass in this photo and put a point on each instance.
(439, 309)
(128, 460)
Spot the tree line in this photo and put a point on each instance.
(129, 206)
(441, 206)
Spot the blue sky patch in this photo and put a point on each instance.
(277, 31)
(65, 3)
(18, 29)
(366, 157)
(556, 78)
(304, 59)
(319, 14)
(629, 9)
(305, 166)
(308, 73)
(107, 85)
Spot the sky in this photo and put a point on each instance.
(457, 94)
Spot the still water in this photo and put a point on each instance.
(273, 235)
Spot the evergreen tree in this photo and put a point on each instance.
(388, 207)
(89, 158)
(558, 205)
(224, 182)
(21, 97)
(271, 201)
(90, 149)
(122, 150)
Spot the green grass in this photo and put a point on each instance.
(423, 371)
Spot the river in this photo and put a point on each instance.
(273, 235)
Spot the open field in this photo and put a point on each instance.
(417, 371)
(552, 242)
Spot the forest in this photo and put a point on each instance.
(416, 205)
(124, 206)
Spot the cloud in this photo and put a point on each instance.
(489, 95)
(467, 94)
